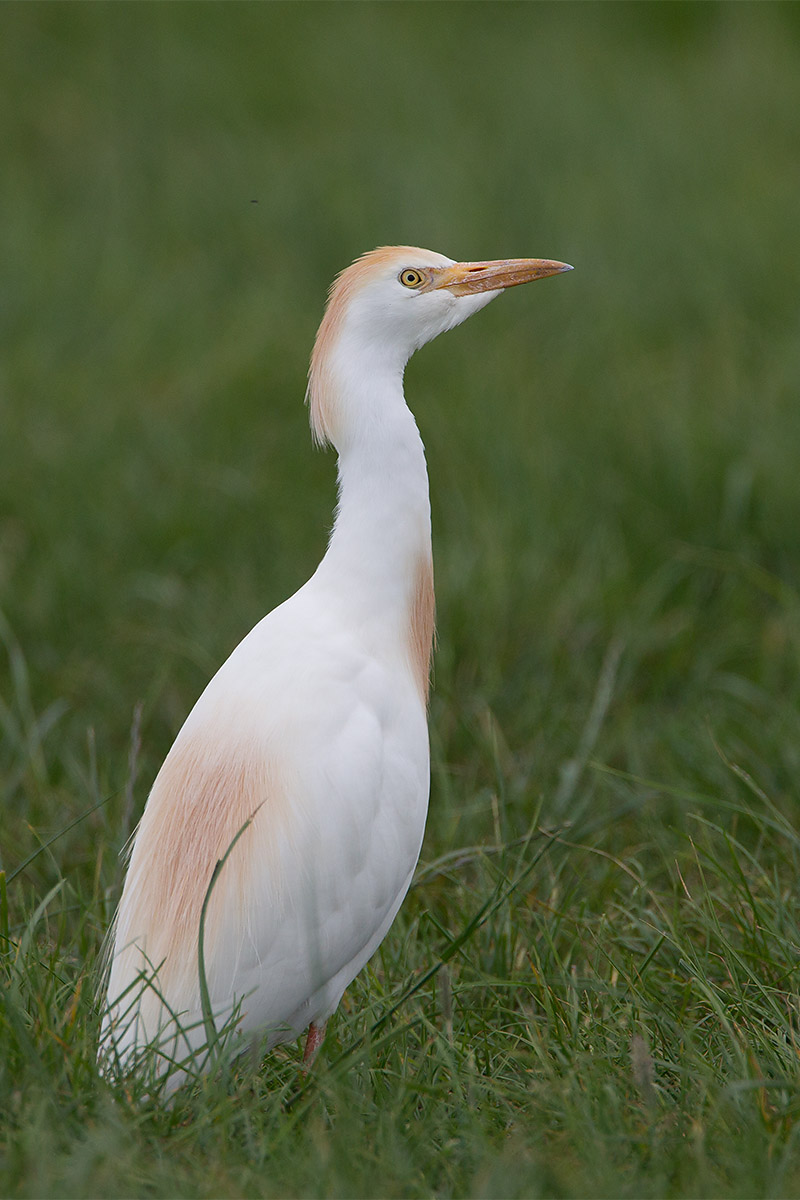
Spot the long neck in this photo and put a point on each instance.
(378, 560)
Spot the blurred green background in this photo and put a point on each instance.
(181, 182)
(613, 454)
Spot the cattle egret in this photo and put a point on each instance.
(315, 729)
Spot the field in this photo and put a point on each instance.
(593, 988)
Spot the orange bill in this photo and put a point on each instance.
(464, 279)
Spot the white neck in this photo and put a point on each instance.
(381, 539)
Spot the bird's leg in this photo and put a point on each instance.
(316, 1036)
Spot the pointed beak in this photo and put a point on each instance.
(465, 279)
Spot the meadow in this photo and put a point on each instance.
(593, 987)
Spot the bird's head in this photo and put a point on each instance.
(390, 302)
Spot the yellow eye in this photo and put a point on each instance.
(411, 278)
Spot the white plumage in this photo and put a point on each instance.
(315, 729)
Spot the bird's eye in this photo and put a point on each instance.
(411, 278)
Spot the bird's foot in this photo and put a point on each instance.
(315, 1038)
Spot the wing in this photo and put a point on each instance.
(325, 754)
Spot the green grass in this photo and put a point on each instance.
(593, 987)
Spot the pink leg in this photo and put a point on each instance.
(316, 1036)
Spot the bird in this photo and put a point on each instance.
(282, 831)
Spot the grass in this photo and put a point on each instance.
(592, 989)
